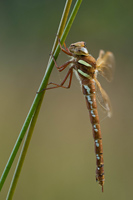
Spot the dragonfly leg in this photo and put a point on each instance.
(62, 67)
(66, 50)
(66, 47)
(69, 74)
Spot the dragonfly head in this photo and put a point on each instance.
(78, 49)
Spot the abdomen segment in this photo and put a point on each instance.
(90, 96)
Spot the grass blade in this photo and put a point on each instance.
(38, 96)
(34, 119)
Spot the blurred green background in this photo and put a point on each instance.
(60, 163)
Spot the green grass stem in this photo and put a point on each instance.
(38, 96)
(34, 119)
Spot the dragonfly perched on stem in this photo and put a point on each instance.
(86, 69)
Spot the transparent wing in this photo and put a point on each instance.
(103, 99)
(106, 64)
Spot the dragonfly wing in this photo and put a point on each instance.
(103, 98)
(105, 65)
(100, 58)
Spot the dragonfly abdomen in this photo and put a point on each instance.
(90, 96)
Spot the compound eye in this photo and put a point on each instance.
(72, 45)
(84, 44)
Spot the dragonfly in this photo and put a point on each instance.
(86, 68)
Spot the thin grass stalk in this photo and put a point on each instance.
(22, 156)
(38, 96)
(34, 119)
(61, 25)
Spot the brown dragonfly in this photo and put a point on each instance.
(86, 69)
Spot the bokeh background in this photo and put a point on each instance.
(60, 163)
